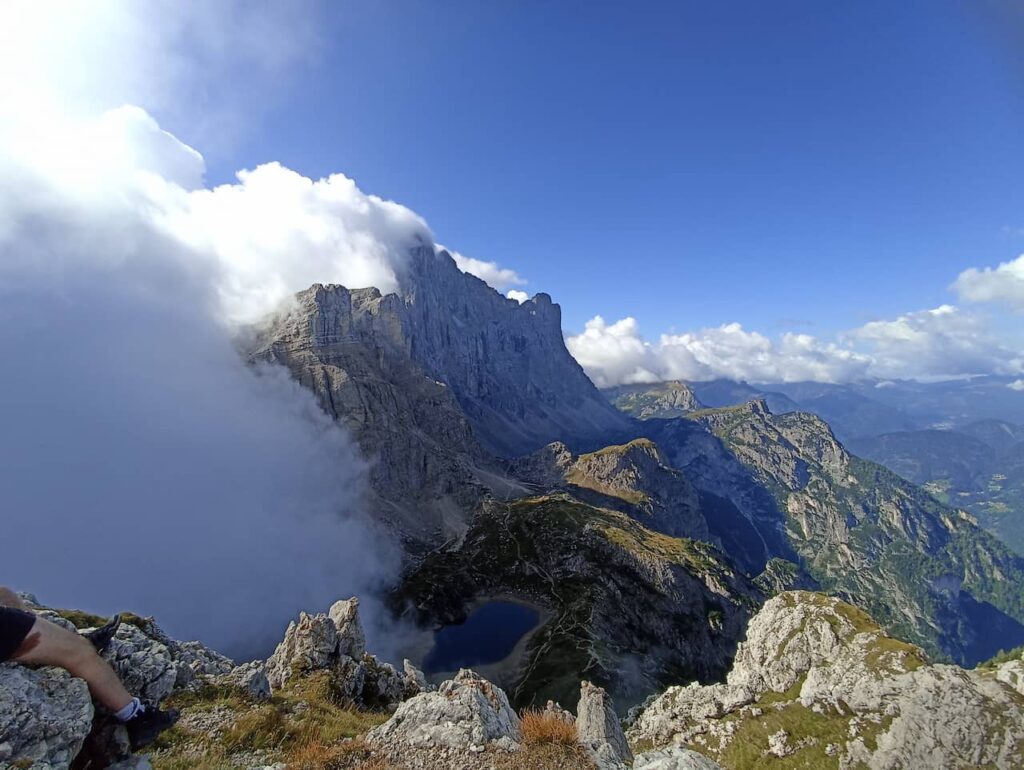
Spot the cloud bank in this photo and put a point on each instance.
(941, 343)
(143, 465)
(1002, 285)
(491, 273)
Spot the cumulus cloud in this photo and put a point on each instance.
(1002, 285)
(277, 231)
(1016, 385)
(518, 296)
(207, 66)
(497, 277)
(143, 464)
(938, 343)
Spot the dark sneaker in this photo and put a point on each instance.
(144, 727)
(100, 637)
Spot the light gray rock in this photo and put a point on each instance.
(464, 712)
(145, 665)
(351, 639)
(599, 730)
(201, 660)
(1012, 673)
(251, 678)
(555, 711)
(817, 653)
(674, 758)
(45, 715)
(413, 679)
(308, 645)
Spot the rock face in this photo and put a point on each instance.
(45, 716)
(633, 477)
(818, 681)
(661, 400)
(335, 643)
(922, 569)
(465, 712)
(617, 593)
(599, 730)
(433, 381)
(674, 758)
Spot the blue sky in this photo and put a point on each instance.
(789, 165)
(773, 191)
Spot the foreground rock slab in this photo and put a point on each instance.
(819, 684)
(45, 716)
(599, 730)
(465, 712)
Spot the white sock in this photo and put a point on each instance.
(134, 707)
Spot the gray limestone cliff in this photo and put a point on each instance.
(817, 683)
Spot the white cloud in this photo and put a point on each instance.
(944, 342)
(195, 64)
(1002, 285)
(1016, 385)
(518, 296)
(131, 425)
(495, 276)
(276, 232)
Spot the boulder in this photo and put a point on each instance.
(816, 656)
(45, 716)
(251, 678)
(599, 729)
(1012, 674)
(351, 639)
(308, 645)
(335, 642)
(144, 664)
(674, 758)
(466, 712)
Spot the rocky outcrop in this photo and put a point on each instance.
(674, 758)
(249, 678)
(335, 643)
(464, 712)
(599, 730)
(634, 477)
(45, 716)
(434, 381)
(924, 570)
(660, 400)
(818, 680)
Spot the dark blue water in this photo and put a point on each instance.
(488, 635)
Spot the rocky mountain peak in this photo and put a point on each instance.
(673, 398)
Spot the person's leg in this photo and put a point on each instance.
(47, 644)
(10, 599)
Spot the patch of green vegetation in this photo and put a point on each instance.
(1003, 656)
(808, 734)
(308, 712)
(82, 619)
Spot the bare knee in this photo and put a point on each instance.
(48, 644)
(10, 599)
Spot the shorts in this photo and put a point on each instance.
(14, 627)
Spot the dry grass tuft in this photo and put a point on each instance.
(540, 727)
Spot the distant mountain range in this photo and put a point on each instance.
(647, 534)
(939, 435)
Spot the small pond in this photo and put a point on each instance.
(489, 635)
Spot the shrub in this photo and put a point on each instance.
(547, 727)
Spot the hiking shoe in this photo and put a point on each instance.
(144, 727)
(100, 637)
